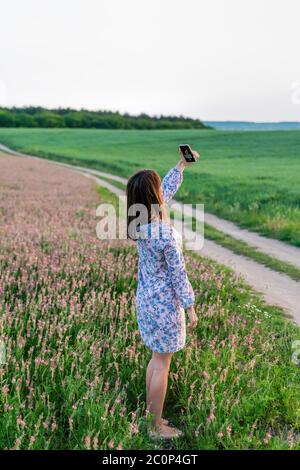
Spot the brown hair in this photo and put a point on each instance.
(144, 187)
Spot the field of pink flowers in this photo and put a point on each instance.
(74, 372)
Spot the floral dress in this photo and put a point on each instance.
(164, 290)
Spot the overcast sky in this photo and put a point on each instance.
(211, 59)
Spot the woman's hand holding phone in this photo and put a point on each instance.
(183, 162)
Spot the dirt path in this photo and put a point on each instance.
(276, 288)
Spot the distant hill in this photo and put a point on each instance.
(67, 117)
(253, 126)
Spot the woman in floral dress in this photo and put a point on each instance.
(164, 291)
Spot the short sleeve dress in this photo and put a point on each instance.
(164, 290)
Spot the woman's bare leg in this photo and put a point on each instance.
(158, 382)
(149, 377)
(148, 381)
(157, 379)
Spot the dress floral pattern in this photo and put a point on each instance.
(164, 290)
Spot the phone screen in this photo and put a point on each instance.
(187, 153)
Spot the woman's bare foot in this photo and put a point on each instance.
(164, 421)
(165, 432)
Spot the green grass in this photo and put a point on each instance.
(251, 178)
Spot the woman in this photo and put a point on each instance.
(164, 290)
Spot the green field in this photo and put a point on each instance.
(249, 177)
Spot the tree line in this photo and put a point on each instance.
(83, 118)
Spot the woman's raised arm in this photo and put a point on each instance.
(171, 183)
(173, 179)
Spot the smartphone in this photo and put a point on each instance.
(187, 152)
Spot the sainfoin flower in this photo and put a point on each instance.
(88, 442)
(111, 444)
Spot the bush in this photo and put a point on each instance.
(7, 119)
